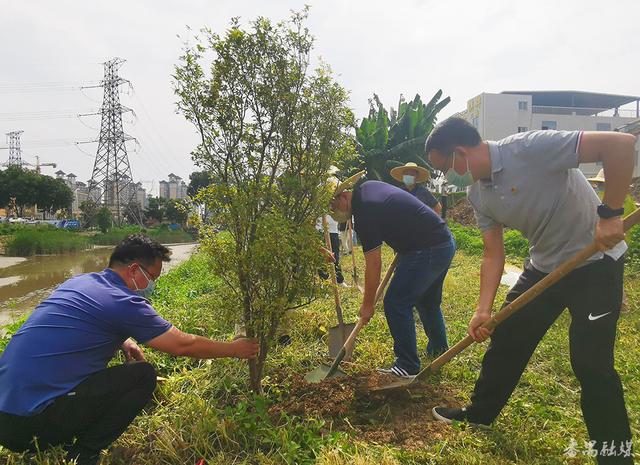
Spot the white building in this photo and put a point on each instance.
(174, 188)
(500, 115)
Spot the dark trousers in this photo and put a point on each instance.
(592, 294)
(335, 246)
(96, 413)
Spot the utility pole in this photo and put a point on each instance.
(15, 151)
(111, 182)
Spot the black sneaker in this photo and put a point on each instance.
(396, 371)
(448, 415)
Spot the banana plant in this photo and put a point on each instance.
(385, 140)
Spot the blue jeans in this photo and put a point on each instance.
(417, 282)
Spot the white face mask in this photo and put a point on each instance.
(151, 285)
(459, 180)
(408, 179)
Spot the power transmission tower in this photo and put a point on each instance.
(15, 151)
(111, 183)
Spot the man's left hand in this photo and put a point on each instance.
(609, 232)
(132, 351)
(366, 313)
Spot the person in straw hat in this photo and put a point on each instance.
(334, 234)
(411, 176)
(425, 248)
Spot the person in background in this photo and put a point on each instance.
(411, 177)
(56, 386)
(334, 236)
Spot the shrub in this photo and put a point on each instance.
(48, 240)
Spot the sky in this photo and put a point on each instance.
(52, 49)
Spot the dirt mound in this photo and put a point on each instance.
(399, 417)
(462, 212)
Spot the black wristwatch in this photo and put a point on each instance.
(606, 212)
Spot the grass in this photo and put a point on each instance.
(204, 410)
(163, 234)
(44, 240)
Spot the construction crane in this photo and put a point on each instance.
(38, 164)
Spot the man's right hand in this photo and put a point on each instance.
(245, 347)
(475, 330)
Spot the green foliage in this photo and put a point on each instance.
(390, 139)
(6, 229)
(162, 234)
(88, 214)
(177, 211)
(633, 253)
(104, 219)
(469, 239)
(30, 188)
(45, 240)
(156, 209)
(269, 131)
(198, 180)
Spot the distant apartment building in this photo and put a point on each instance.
(174, 188)
(500, 115)
(80, 191)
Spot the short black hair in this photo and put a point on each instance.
(451, 133)
(139, 248)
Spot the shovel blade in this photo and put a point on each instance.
(320, 374)
(337, 337)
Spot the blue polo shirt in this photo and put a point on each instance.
(385, 213)
(69, 336)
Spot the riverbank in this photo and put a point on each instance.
(25, 282)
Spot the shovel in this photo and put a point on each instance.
(337, 334)
(325, 371)
(526, 297)
(353, 258)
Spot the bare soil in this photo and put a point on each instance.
(399, 417)
(462, 212)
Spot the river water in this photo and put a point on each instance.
(23, 285)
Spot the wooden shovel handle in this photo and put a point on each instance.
(386, 278)
(526, 297)
(334, 279)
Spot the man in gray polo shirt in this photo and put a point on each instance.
(530, 182)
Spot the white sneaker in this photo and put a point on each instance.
(396, 371)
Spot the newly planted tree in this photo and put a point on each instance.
(393, 138)
(270, 128)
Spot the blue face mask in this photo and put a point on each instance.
(151, 285)
(408, 179)
(459, 180)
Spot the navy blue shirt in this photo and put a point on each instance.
(69, 336)
(385, 213)
(423, 194)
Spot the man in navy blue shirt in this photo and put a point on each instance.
(425, 248)
(55, 382)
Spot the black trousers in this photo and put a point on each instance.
(593, 295)
(96, 413)
(335, 246)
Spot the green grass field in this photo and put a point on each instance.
(203, 409)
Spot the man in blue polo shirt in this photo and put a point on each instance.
(425, 248)
(55, 384)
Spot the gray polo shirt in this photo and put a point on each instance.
(536, 188)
